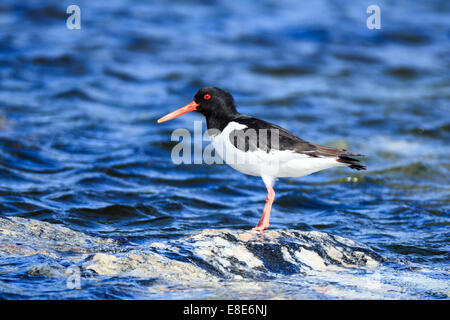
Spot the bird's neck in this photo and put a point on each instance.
(220, 121)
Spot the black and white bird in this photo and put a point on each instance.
(260, 148)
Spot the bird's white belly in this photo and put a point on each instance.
(260, 163)
(245, 162)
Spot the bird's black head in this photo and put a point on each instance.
(215, 102)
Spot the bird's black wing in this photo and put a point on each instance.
(263, 135)
(266, 136)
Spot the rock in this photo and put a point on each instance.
(228, 253)
(220, 264)
(225, 254)
(28, 236)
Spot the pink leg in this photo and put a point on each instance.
(263, 223)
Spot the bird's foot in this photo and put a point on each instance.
(260, 227)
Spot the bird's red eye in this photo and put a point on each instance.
(207, 96)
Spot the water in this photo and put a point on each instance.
(87, 182)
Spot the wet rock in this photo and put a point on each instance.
(27, 236)
(49, 270)
(141, 264)
(237, 255)
(207, 254)
(220, 264)
(255, 254)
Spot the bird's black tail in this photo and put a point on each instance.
(351, 162)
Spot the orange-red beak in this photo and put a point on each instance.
(187, 108)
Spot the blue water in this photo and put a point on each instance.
(80, 146)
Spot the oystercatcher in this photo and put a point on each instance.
(260, 148)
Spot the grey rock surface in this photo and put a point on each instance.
(218, 263)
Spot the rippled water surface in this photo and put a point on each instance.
(87, 182)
